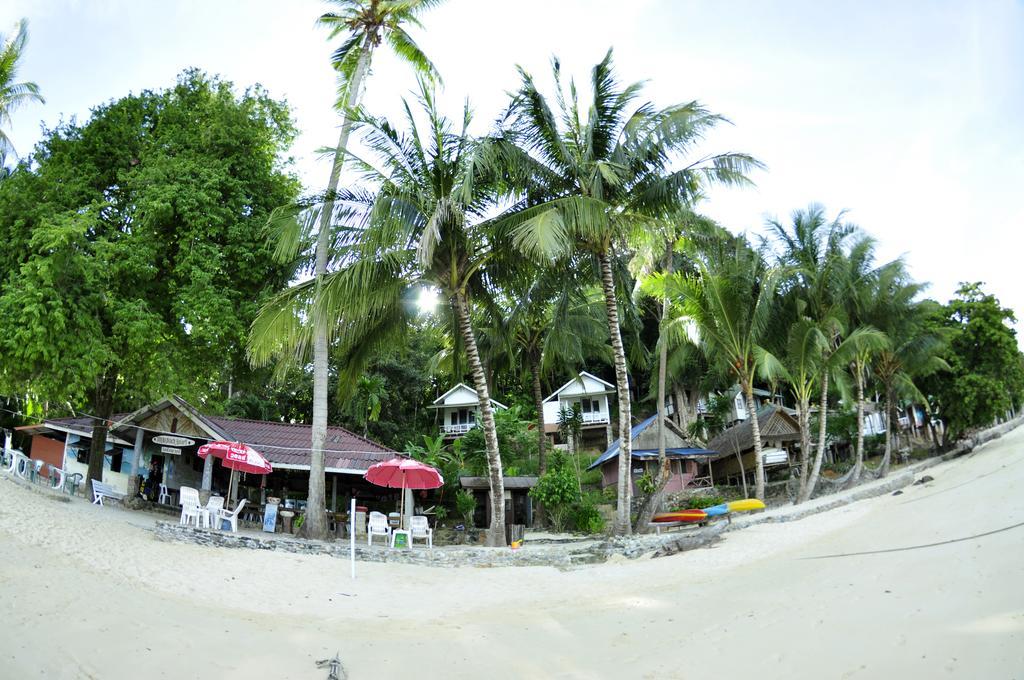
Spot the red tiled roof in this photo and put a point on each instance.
(288, 443)
(281, 443)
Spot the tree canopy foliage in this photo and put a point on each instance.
(135, 258)
(986, 372)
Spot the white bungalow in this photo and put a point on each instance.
(589, 394)
(460, 408)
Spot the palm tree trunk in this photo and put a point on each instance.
(538, 402)
(755, 426)
(858, 463)
(496, 532)
(664, 472)
(625, 488)
(677, 395)
(804, 419)
(819, 454)
(883, 469)
(315, 524)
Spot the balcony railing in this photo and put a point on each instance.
(700, 483)
(461, 428)
(594, 418)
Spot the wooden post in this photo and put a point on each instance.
(334, 493)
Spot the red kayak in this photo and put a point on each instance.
(681, 516)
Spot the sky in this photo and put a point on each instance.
(907, 115)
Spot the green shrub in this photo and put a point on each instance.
(465, 504)
(700, 501)
(645, 484)
(590, 477)
(839, 467)
(586, 518)
(557, 490)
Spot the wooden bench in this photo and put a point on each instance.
(101, 491)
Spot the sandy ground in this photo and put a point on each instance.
(86, 592)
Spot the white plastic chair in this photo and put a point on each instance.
(231, 517)
(419, 527)
(57, 477)
(213, 508)
(191, 510)
(23, 466)
(165, 496)
(36, 469)
(378, 526)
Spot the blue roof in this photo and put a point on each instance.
(613, 450)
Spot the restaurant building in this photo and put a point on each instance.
(170, 432)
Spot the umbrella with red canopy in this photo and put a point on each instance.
(237, 457)
(404, 473)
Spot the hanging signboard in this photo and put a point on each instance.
(181, 447)
(170, 440)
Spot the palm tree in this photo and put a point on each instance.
(799, 367)
(13, 94)
(421, 228)
(365, 25)
(657, 248)
(731, 303)
(552, 325)
(814, 251)
(914, 351)
(590, 181)
(864, 294)
(367, 400)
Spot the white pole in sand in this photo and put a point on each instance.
(352, 535)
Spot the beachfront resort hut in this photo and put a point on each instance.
(779, 432)
(459, 409)
(170, 432)
(588, 394)
(689, 464)
(518, 504)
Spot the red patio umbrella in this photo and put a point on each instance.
(404, 473)
(237, 457)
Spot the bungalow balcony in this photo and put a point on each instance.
(595, 418)
(457, 429)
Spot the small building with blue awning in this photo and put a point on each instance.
(690, 465)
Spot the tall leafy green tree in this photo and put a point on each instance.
(592, 178)
(363, 25)
(135, 259)
(985, 378)
(13, 94)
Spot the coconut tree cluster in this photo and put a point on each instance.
(572, 229)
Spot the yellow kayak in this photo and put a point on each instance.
(745, 504)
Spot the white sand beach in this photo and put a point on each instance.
(87, 592)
